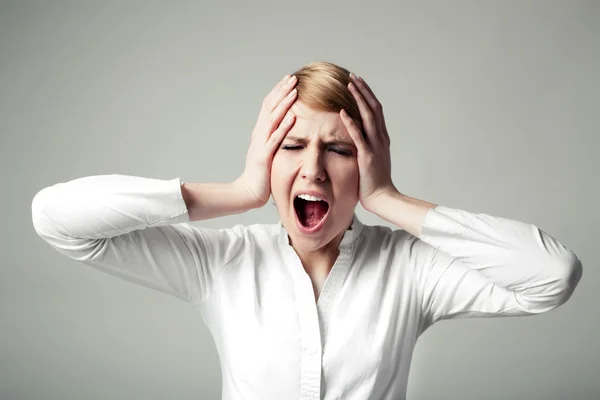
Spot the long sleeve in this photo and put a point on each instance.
(137, 229)
(477, 265)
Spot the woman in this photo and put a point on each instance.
(318, 306)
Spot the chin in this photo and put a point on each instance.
(308, 244)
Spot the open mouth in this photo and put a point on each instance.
(310, 213)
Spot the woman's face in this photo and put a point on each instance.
(317, 156)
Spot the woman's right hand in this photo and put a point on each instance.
(266, 137)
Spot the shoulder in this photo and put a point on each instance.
(395, 245)
(239, 233)
(255, 233)
(385, 236)
(393, 241)
(262, 230)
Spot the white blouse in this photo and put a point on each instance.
(274, 341)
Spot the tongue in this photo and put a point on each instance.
(313, 212)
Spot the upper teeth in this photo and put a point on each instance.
(309, 197)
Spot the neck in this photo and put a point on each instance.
(320, 261)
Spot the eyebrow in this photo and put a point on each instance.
(333, 141)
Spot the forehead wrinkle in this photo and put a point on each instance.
(296, 132)
(330, 137)
(332, 134)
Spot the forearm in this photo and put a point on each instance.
(495, 264)
(212, 200)
(104, 206)
(483, 265)
(403, 211)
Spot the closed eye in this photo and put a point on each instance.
(337, 150)
(341, 151)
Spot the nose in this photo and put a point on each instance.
(312, 166)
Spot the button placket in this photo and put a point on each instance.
(314, 316)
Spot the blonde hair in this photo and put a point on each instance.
(323, 86)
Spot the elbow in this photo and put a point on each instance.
(37, 211)
(571, 272)
(42, 215)
(567, 273)
(555, 288)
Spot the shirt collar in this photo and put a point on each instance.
(350, 235)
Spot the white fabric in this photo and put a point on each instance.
(385, 289)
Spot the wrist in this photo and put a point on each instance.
(381, 199)
(243, 191)
(406, 212)
(212, 200)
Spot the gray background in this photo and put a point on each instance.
(492, 107)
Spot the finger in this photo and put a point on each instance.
(278, 85)
(366, 92)
(278, 93)
(367, 115)
(277, 136)
(354, 131)
(272, 120)
(373, 102)
(268, 121)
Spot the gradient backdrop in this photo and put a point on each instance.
(492, 106)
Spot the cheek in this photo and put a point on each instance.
(346, 177)
(352, 180)
(275, 168)
(349, 171)
(280, 174)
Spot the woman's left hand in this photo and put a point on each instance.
(373, 151)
